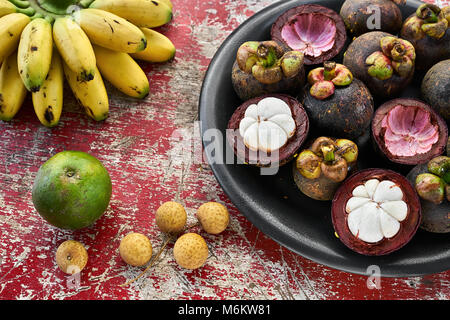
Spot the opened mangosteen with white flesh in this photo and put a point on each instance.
(316, 31)
(382, 61)
(375, 212)
(268, 130)
(319, 170)
(360, 16)
(337, 104)
(432, 183)
(408, 131)
(264, 67)
(428, 29)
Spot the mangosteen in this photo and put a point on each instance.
(436, 88)
(316, 31)
(429, 31)
(264, 67)
(268, 130)
(360, 16)
(382, 61)
(408, 131)
(432, 183)
(337, 104)
(376, 211)
(319, 170)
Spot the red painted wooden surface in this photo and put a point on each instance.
(138, 147)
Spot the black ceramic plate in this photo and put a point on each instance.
(273, 203)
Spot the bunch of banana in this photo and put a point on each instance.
(43, 42)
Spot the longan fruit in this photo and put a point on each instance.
(213, 217)
(135, 249)
(190, 251)
(171, 217)
(71, 256)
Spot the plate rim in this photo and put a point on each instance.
(266, 227)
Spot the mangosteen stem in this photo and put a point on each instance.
(267, 56)
(329, 72)
(428, 12)
(328, 153)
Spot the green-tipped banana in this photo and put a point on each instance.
(48, 102)
(143, 13)
(12, 90)
(35, 53)
(110, 31)
(159, 47)
(75, 48)
(122, 72)
(91, 95)
(6, 7)
(11, 27)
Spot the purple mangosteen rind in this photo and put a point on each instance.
(355, 59)
(435, 88)
(356, 14)
(285, 153)
(347, 113)
(435, 217)
(378, 132)
(386, 246)
(340, 37)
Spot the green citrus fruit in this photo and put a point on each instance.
(71, 190)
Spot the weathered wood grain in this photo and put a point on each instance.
(140, 147)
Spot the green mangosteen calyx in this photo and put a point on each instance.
(434, 185)
(431, 20)
(267, 62)
(396, 56)
(328, 157)
(324, 80)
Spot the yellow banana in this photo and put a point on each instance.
(122, 72)
(111, 31)
(159, 47)
(7, 7)
(35, 53)
(143, 13)
(91, 95)
(75, 48)
(11, 27)
(12, 90)
(48, 101)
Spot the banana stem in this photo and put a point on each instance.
(20, 3)
(28, 11)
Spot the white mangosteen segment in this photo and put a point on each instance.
(312, 34)
(252, 112)
(397, 209)
(270, 136)
(355, 202)
(251, 137)
(409, 131)
(371, 185)
(361, 192)
(285, 122)
(389, 225)
(364, 223)
(268, 125)
(375, 210)
(387, 191)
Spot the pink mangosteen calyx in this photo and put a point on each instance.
(323, 80)
(310, 33)
(396, 55)
(267, 62)
(409, 131)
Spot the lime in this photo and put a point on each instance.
(72, 190)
